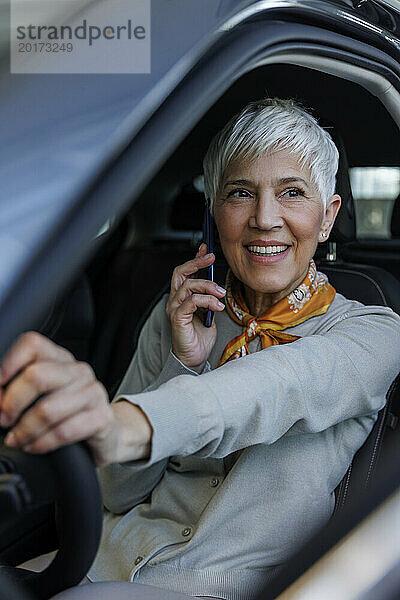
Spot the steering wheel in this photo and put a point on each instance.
(68, 477)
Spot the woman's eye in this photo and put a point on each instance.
(293, 193)
(238, 193)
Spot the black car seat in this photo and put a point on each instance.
(370, 285)
(70, 321)
(129, 284)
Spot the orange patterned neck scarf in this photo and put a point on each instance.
(312, 297)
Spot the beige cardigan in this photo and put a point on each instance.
(245, 458)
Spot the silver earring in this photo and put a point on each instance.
(324, 234)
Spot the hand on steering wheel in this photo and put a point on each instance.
(73, 405)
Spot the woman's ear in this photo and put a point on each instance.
(332, 209)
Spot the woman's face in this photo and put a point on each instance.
(271, 202)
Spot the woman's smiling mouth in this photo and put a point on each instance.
(264, 254)
(269, 250)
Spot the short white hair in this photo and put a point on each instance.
(266, 126)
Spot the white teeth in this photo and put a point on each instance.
(267, 249)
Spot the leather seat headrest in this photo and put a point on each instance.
(344, 229)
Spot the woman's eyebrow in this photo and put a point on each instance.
(239, 182)
(275, 182)
(285, 180)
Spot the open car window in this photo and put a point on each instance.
(375, 190)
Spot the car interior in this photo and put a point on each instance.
(100, 315)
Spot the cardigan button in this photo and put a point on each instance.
(214, 482)
(187, 531)
(138, 560)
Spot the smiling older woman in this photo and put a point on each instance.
(215, 468)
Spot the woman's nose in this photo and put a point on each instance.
(267, 213)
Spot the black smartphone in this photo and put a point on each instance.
(208, 238)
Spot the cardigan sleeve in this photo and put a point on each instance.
(125, 485)
(307, 386)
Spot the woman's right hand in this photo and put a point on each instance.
(192, 342)
(49, 399)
